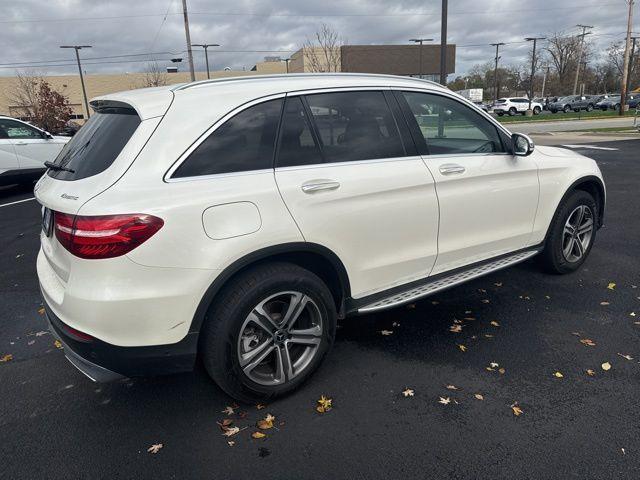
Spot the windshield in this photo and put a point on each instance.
(97, 144)
(565, 99)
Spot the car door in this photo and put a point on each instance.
(32, 146)
(355, 184)
(488, 197)
(8, 158)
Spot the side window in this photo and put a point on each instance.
(16, 130)
(297, 145)
(355, 126)
(244, 142)
(450, 127)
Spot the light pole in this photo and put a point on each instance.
(286, 60)
(625, 67)
(84, 91)
(631, 55)
(419, 41)
(581, 47)
(533, 67)
(206, 54)
(443, 45)
(495, 71)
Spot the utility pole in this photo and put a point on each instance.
(443, 44)
(625, 68)
(495, 70)
(419, 41)
(84, 91)
(188, 35)
(580, 49)
(533, 67)
(544, 81)
(206, 54)
(286, 60)
(631, 58)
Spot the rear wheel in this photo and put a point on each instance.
(571, 233)
(500, 114)
(268, 331)
(566, 109)
(536, 110)
(589, 107)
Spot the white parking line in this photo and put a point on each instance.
(592, 147)
(18, 201)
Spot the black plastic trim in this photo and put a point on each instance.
(572, 187)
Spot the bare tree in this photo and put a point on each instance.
(24, 94)
(323, 52)
(563, 52)
(153, 76)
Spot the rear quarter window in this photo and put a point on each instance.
(97, 144)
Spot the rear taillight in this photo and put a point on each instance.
(104, 236)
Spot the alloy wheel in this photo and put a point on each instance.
(280, 338)
(577, 233)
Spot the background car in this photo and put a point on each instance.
(514, 105)
(573, 102)
(611, 102)
(24, 149)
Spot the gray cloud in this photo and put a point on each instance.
(33, 29)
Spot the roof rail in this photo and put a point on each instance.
(185, 86)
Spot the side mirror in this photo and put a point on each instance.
(47, 135)
(521, 145)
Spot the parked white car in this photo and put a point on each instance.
(514, 105)
(237, 219)
(24, 149)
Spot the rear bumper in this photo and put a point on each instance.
(103, 362)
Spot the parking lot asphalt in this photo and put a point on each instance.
(55, 423)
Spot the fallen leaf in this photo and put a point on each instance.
(452, 387)
(498, 284)
(231, 443)
(6, 358)
(547, 297)
(494, 323)
(324, 404)
(41, 333)
(606, 366)
(444, 400)
(591, 373)
(462, 347)
(478, 396)
(455, 328)
(604, 303)
(611, 286)
(58, 344)
(230, 432)
(267, 423)
(485, 300)
(628, 357)
(434, 302)
(408, 392)
(467, 312)
(155, 448)
(482, 290)
(225, 423)
(31, 342)
(490, 369)
(260, 406)
(517, 411)
(588, 342)
(501, 370)
(487, 335)
(632, 314)
(623, 451)
(494, 365)
(257, 435)
(229, 410)
(386, 332)
(395, 324)
(558, 375)
(41, 310)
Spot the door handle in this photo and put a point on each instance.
(317, 185)
(451, 168)
(20, 143)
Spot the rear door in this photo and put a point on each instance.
(8, 158)
(354, 185)
(488, 197)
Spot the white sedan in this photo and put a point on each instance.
(24, 149)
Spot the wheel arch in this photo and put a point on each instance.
(313, 257)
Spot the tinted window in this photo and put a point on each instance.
(13, 129)
(97, 144)
(244, 142)
(297, 145)
(355, 126)
(449, 126)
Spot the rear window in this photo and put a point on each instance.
(97, 144)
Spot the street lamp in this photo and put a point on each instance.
(533, 67)
(206, 54)
(420, 41)
(84, 91)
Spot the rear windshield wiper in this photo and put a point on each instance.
(53, 166)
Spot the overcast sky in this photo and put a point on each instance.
(32, 30)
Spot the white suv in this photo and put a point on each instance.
(237, 219)
(511, 106)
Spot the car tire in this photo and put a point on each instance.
(566, 250)
(536, 110)
(553, 111)
(512, 111)
(616, 107)
(500, 114)
(566, 109)
(589, 107)
(233, 341)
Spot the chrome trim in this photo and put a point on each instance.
(446, 282)
(321, 185)
(449, 168)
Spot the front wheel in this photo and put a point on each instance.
(571, 233)
(589, 107)
(512, 111)
(536, 110)
(267, 332)
(567, 109)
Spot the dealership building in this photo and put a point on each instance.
(408, 60)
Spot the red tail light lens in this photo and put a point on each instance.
(104, 236)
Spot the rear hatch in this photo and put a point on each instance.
(97, 156)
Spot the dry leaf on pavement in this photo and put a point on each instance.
(386, 332)
(517, 411)
(494, 323)
(606, 366)
(6, 358)
(257, 435)
(324, 404)
(408, 392)
(628, 357)
(604, 304)
(260, 406)
(485, 300)
(611, 286)
(231, 431)
(590, 372)
(229, 410)
(455, 328)
(41, 310)
(231, 443)
(558, 375)
(155, 448)
(451, 387)
(267, 423)
(444, 400)
(462, 347)
(225, 423)
(58, 344)
(588, 342)
(478, 396)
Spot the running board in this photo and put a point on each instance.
(446, 281)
